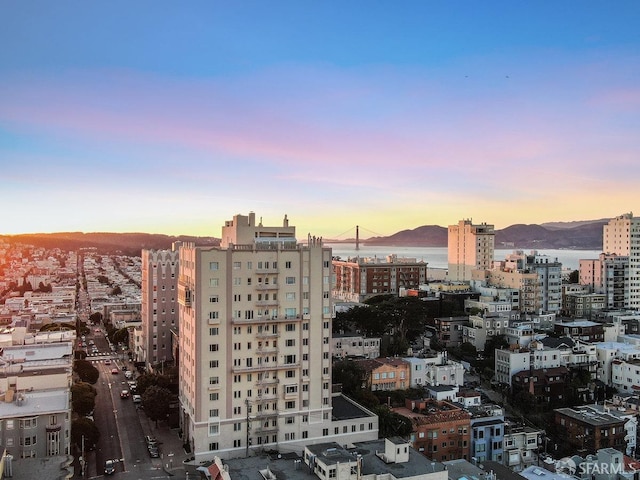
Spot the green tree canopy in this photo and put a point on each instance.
(121, 336)
(84, 426)
(83, 397)
(392, 424)
(155, 401)
(574, 276)
(350, 375)
(87, 372)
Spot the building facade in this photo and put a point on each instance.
(255, 342)
(470, 247)
(621, 236)
(360, 278)
(159, 312)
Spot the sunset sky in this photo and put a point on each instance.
(171, 117)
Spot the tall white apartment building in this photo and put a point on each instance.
(159, 308)
(255, 343)
(621, 236)
(470, 247)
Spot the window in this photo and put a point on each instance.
(214, 265)
(213, 347)
(290, 280)
(290, 327)
(214, 429)
(287, 264)
(213, 282)
(291, 342)
(237, 265)
(214, 397)
(290, 295)
(290, 404)
(213, 299)
(213, 330)
(213, 446)
(214, 412)
(214, 380)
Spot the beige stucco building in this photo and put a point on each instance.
(255, 343)
(470, 247)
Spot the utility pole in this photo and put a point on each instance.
(82, 461)
(246, 402)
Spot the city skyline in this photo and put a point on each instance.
(165, 118)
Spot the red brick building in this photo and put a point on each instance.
(441, 430)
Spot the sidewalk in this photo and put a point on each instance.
(172, 453)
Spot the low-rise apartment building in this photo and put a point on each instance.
(592, 427)
(360, 278)
(435, 369)
(354, 345)
(521, 444)
(584, 330)
(441, 430)
(385, 373)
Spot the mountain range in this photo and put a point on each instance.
(584, 235)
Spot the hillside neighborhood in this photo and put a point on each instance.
(261, 353)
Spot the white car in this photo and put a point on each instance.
(136, 398)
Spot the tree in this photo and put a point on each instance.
(87, 372)
(574, 276)
(392, 424)
(95, 317)
(116, 290)
(83, 398)
(84, 427)
(80, 354)
(350, 375)
(155, 401)
(121, 336)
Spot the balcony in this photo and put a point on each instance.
(185, 295)
(266, 335)
(266, 303)
(267, 381)
(266, 397)
(266, 286)
(269, 270)
(266, 350)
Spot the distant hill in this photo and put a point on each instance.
(107, 243)
(584, 235)
(425, 236)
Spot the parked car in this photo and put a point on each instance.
(124, 394)
(153, 451)
(150, 440)
(109, 467)
(107, 362)
(115, 371)
(137, 399)
(128, 374)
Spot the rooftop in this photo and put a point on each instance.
(36, 403)
(345, 409)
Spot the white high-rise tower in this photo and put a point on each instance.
(621, 236)
(470, 247)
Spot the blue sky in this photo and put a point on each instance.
(172, 117)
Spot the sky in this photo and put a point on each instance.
(172, 117)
